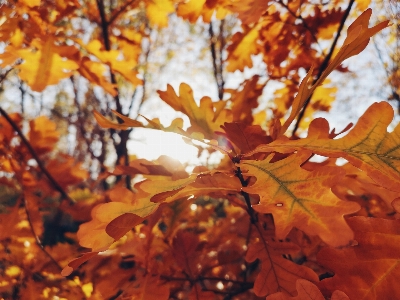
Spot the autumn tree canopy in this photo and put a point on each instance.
(283, 207)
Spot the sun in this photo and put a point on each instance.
(150, 144)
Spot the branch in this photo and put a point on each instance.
(106, 37)
(217, 61)
(81, 124)
(305, 25)
(324, 64)
(37, 239)
(56, 185)
(3, 76)
(115, 14)
(250, 210)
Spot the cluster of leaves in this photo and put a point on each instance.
(265, 222)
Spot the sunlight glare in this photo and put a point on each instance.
(150, 144)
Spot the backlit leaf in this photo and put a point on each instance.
(367, 146)
(358, 36)
(202, 117)
(45, 66)
(302, 199)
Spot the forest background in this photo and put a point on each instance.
(258, 197)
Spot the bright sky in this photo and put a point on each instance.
(151, 144)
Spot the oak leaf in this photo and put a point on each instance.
(94, 72)
(147, 287)
(307, 291)
(358, 36)
(369, 270)
(242, 47)
(185, 245)
(45, 66)
(277, 274)
(66, 171)
(301, 199)
(194, 185)
(249, 11)
(245, 100)
(245, 137)
(118, 213)
(368, 145)
(203, 117)
(124, 67)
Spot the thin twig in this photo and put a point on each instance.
(250, 210)
(3, 76)
(41, 166)
(37, 239)
(324, 64)
(115, 14)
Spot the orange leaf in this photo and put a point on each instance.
(74, 264)
(277, 273)
(66, 171)
(147, 287)
(127, 209)
(43, 134)
(105, 123)
(357, 39)
(307, 291)
(369, 270)
(302, 199)
(184, 245)
(249, 11)
(368, 146)
(245, 100)
(118, 227)
(195, 185)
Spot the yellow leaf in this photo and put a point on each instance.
(43, 134)
(158, 10)
(31, 3)
(44, 66)
(113, 58)
(94, 72)
(202, 117)
(243, 46)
